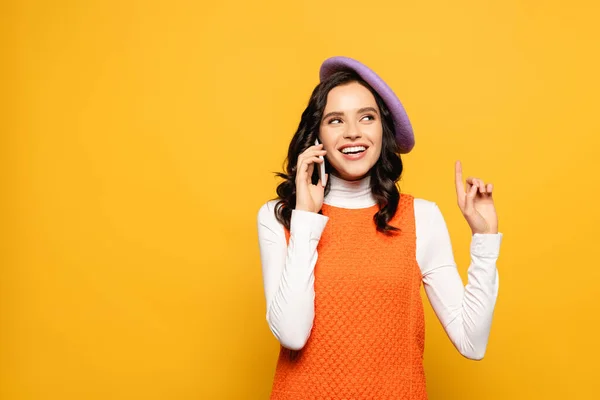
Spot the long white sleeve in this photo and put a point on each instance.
(288, 272)
(464, 311)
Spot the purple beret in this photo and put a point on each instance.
(403, 129)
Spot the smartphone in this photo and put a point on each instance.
(321, 166)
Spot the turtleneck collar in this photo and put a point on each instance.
(349, 194)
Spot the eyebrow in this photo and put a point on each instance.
(360, 111)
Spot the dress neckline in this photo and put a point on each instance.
(350, 194)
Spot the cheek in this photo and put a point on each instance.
(377, 141)
(328, 138)
(377, 153)
(376, 136)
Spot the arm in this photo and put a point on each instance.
(288, 272)
(464, 311)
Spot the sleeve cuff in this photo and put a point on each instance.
(307, 224)
(486, 244)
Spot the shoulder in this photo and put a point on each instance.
(270, 230)
(425, 210)
(266, 212)
(266, 215)
(421, 206)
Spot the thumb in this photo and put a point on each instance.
(322, 184)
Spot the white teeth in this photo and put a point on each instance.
(353, 149)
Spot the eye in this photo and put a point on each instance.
(372, 117)
(334, 119)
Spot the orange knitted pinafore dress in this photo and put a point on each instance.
(368, 333)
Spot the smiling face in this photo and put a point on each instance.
(351, 131)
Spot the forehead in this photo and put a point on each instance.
(349, 97)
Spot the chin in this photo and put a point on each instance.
(354, 174)
(354, 170)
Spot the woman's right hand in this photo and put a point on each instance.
(309, 197)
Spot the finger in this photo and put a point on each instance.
(471, 180)
(321, 184)
(477, 182)
(313, 152)
(309, 154)
(311, 160)
(309, 172)
(464, 196)
(307, 167)
(470, 197)
(480, 185)
(460, 189)
(315, 148)
(489, 188)
(469, 186)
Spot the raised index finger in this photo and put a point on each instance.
(460, 188)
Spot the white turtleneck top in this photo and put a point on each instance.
(465, 312)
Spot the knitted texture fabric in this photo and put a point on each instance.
(368, 333)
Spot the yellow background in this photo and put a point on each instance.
(137, 145)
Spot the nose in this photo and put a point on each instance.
(352, 131)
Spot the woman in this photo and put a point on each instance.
(343, 263)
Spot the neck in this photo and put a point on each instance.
(349, 194)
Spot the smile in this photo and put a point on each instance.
(354, 153)
(353, 150)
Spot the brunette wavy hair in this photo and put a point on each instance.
(384, 174)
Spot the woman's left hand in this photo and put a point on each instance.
(476, 203)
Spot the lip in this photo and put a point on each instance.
(366, 146)
(353, 157)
